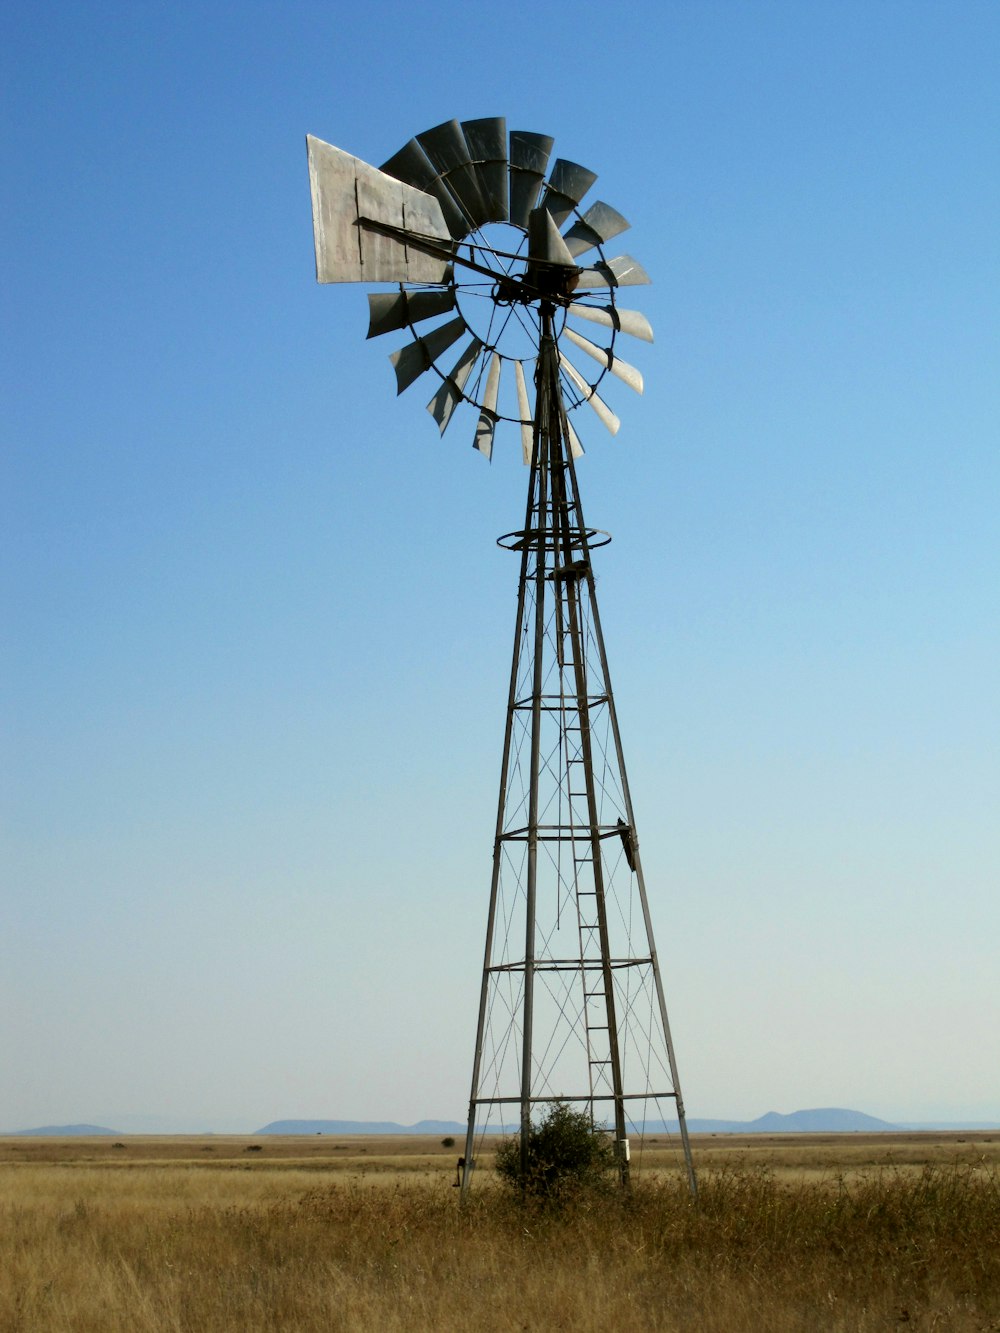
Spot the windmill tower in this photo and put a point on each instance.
(480, 240)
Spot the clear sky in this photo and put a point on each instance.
(256, 630)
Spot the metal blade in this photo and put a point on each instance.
(544, 242)
(345, 189)
(586, 392)
(395, 310)
(566, 186)
(488, 414)
(524, 408)
(450, 394)
(550, 265)
(624, 271)
(412, 165)
(597, 226)
(631, 376)
(412, 360)
(628, 321)
(447, 150)
(575, 447)
(487, 141)
(529, 157)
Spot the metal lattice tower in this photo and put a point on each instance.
(466, 224)
(572, 1004)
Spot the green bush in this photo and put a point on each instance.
(567, 1154)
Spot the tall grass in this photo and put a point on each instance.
(887, 1249)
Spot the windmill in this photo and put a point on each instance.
(480, 241)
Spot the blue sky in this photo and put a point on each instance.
(256, 629)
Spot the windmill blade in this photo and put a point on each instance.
(412, 165)
(550, 265)
(612, 317)
(487, 141)
(345, 189)
(598, 225)
(529, 157)
(575, 447)
(625, 372)
(545, 245)
(396, 310)
(566, 186)
(450, 394)
(621, 272)
(412, 360)
(488, 413)
(596, 402)
(524, 408)
(447, 150)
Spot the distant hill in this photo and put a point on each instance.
(819, 1120)
(361, 1127)
(823, 1120)
(64, 1131)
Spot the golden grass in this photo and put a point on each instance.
(166, 1235)
(813, 1156)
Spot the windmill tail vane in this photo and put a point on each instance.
(479, 238)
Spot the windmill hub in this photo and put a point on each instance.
(495, 308)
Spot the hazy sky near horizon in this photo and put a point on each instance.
(256, 630)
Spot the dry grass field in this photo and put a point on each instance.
(858, 1232)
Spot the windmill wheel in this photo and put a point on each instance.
(468, 225)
